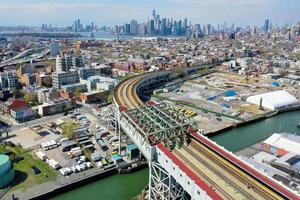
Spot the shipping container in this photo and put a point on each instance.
(41, 155)
(52, 163)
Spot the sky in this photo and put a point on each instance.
(111, 12)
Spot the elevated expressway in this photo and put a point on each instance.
(192, 166)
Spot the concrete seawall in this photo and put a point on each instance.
(253, 120)
(74, 184)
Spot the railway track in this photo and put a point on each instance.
(125, 94)
(197, 150)
(250, 186)
(205, 177)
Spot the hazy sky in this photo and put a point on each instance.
(111, 12)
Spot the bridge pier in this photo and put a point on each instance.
(162, 185)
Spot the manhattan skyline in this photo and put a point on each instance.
(105, 12)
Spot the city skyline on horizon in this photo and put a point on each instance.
(62, 13)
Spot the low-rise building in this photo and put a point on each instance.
(105, 83)
(86, 72)
(53, 107)
(28, 79)
(46, 95)
(74, 87)
(64, 78)
(103, 70)
(44, 79)
(94, 96)
(18, 110)
(22, 114)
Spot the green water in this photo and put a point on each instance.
(125, 187)
(242, 137)
(116, 187)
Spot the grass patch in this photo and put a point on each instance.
(24, 176)
(68, 128)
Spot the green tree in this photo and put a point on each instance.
(19, 65)
(27, 98)
(31, 99)
(109, 98)
(68, 129)
(77, 92)
(180, 72)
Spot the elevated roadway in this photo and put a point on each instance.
(222, 174)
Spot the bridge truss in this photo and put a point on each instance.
(148, 126)
(161, 123)
(163, 186)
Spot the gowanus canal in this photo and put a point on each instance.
(127, 186)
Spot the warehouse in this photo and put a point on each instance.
(276, 100)
(286, 141)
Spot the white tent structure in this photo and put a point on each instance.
(275, 100)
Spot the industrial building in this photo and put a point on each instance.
(7, 173)
(276, 100)
(287, 141)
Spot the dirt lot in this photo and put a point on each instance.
(27, 137)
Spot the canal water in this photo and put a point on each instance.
(126, 187)
(242, 137)
(116, 187)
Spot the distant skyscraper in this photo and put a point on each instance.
(142, 29)
(232, 27)
(208, 29)
(127, 28)
(185, 23)
(133, 27)
(154, 14)
(164, 26)
(188, 33)
(266, 26)
(77, 25)
(152, 27)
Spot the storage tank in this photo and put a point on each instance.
(7, 173)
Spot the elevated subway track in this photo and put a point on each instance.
(125, 94)
(249, 182)
(229, 181)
